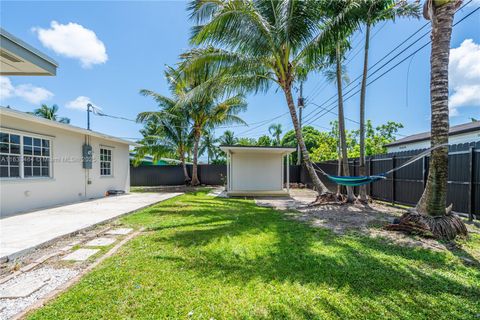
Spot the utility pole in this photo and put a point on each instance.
(88, 115)
(300, 108)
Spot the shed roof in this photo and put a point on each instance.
(462, 128)
(29, 117)
(257, 149)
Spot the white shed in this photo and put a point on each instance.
(255, 170)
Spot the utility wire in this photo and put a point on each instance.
(381, 75)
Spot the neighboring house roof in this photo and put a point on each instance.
(462, 128)
(18, 58)
(29, 117)
(258, 149)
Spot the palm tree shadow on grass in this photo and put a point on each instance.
(301, 254)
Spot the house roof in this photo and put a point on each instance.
(461, 128)
(29, 117)
(257, 149)
(19, 58)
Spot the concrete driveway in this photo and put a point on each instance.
(23, 232)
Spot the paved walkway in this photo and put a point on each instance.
(23, 232)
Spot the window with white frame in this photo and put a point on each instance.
(105, 162)
(34, 151)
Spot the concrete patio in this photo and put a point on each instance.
(21, 233)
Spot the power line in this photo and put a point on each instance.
(380, 76)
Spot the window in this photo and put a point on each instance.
(36, 157)
(34, 151)
(105, 162)
(9, 155)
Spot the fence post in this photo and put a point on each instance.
(393, 180)
(424, 171)
(470, 186)
(370, 173)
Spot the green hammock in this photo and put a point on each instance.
(354, 181)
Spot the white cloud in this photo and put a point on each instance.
(6, 88)
(74, 41)
(27, 92)
(80, 103)
(464, 76)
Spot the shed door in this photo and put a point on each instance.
(254, 171)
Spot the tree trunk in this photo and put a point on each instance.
(339, 163)
(185, 170)
(362, 169)
(431, 214)
(341, 126)
(319, 186)
(434, 198)
(195, 180)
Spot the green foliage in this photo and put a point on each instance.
(246, 142)
(265, 141)
(215, 258)
(276, 131)
(311, 136)
(50, 113)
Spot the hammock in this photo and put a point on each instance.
(354, 181)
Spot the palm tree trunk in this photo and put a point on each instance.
(318, 184)
(361, 168)
(185, 170)
(434, 198)
(341, 126)
(339, 164)
(195, 180)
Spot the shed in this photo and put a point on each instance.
(257, 170)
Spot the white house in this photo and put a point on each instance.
(255, 171)
(42, 162)
(45, 163)
(463, 133)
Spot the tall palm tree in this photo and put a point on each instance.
(434, 199)
(276, 131)
(208, 145)
(50, 113)
(338, 75)
(167, 132)
(375, 11)
(211, 108)
(268, 42)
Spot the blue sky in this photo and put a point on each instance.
(140, 38)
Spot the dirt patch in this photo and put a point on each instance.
(367, 219)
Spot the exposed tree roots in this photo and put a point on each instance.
(446, 227)
(328, 198)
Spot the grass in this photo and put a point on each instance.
(213, 258)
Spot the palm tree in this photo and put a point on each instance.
(376, 11)
(211, 108)
(276, 131)
(207, 145)
(434, 199)
(228, 138)
(338, 75)
(265, 42)
(167, 132)
(50, 113)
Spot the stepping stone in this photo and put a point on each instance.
(22, 289)
(100, 242)
(81, 254)
(120, 231)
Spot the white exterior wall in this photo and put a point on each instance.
(68, 181)
(455, 139)
(256, 172)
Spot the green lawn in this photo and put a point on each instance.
(206, 257)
